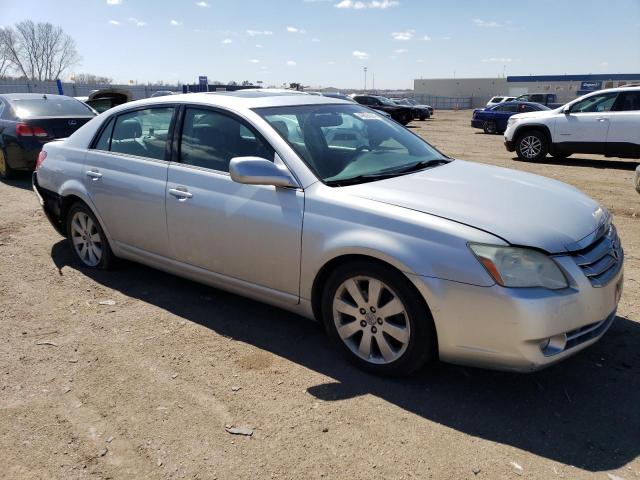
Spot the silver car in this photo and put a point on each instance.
(327, 209)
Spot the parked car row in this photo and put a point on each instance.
(494, 119)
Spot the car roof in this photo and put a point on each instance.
(27, 96)
(249, 98)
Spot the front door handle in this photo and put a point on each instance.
(181, 193)
(602, 119)
(94, 174)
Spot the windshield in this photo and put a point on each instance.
(50, 107)
(348, 142)
(386, 101)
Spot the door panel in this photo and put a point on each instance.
(623, 138)
(126, 176)
(248, 232)
(129, 194)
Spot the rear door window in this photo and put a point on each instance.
(628, 102)
(601, 102)
(104, 141)
(143, 133)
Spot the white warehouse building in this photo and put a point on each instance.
(480, 90)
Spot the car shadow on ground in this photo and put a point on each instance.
(583, 412)
(618, 164)
(21, 180)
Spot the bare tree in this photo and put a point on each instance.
(38, 51)
(91, 79)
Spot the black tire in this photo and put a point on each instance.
(6, 172)
(423, 118)
(421, 346)
(106, 258)
(490, 127)
(532, 146)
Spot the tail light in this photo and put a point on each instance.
(24, 130)
(41, 157)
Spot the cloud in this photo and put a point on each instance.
(175, 23)
(331, 62)
(115, 22)
(403, 36)
(254, 33)
(254, 60)
(291, 63)
(446, 37)
(426, 38)
(486, 24)
(360, 5)
(258, 45)
(114, 2)
(360, 55)
(295, 30)
(604, 64)
(498, 60)
(401, 50)
(136, 22)
(315, 39)
(202, 4)
(227, 41)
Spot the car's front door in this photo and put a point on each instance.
(584, 127)
(623, 139)
(250, 233)
(126, 175)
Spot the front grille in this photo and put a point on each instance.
(601, 260)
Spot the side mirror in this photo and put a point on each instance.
(258, 171)
(566, 110)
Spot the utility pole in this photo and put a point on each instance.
(365, 78)
(373, 81)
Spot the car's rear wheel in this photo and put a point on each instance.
(378, 319)
(490, 127)
(532, 146)
(6, 172)
(87, 239)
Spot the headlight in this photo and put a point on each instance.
(519, 267)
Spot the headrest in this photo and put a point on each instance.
(129, 128)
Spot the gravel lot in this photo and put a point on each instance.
(135, 373)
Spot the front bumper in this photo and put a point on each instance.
(510, 146)
(505, 328)
(476, 123)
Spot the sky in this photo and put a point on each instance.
(324, 43)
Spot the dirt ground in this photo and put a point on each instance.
(143, 387)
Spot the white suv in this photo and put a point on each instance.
(605, 122)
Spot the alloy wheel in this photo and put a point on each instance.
(530, 146)
(371, 320)
(86, 239)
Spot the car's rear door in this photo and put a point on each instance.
(584, 128)
(249, 233)
(126, 175)
(623, 138)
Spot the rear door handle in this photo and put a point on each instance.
(602, 119)
(181, 193)
(94, 175)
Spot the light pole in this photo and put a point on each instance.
(365, 78)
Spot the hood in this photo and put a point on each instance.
(536, 114)
(521, 208)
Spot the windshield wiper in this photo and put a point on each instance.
(393, 172)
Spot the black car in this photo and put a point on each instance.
(29, 120)
(419, 111)
(399, 113)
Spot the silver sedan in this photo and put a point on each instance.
(325, 208)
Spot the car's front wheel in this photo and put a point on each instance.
(532, 146)
(87, 239)
(378, 319)
(490, 127)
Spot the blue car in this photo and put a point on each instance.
(494, 119)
